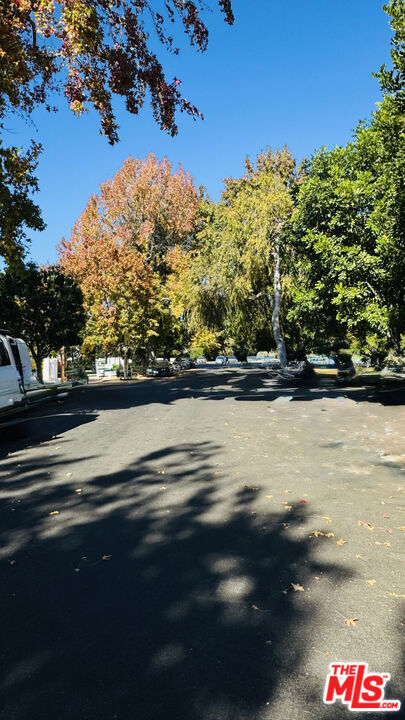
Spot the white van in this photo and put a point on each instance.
(15, 372)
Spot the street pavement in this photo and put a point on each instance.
(200, 548)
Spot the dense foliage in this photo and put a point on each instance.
(42, 305)
(118, 254)
(88, 51)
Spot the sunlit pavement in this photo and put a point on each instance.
(192, 548)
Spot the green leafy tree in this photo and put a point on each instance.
(205, 343)
(17, 209)
(392, 80)
(233, 279)
(350, 221)
(43, 306)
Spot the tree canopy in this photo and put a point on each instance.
(350, 219)
(88, 51)
(92, 50)
(118, 253)
(17, 209)
(42, 305)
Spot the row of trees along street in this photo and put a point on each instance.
(292, 257)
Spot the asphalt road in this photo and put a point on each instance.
(192, 548)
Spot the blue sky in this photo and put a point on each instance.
(297, 73)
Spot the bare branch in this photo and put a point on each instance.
(266, 295)
(34, 32)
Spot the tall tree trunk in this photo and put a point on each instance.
(125, 364)
(282, 353)
(38, 365)
(63, 357)
(151, 354)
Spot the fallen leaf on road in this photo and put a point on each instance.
(54, 512)
(340, 542)
(297, 587)
(317, 533)
(269, 497)
(395, 595)
(385, 515)
(106, 557)
(351, 622)
(330, 534)
(162, 488)
(12, 562)
(254, 607)
(288, 507)
(303, 501)
(69, 474)
(78, 490)
(402, 528)
(327, 518)
(161, 472)
(285, 592)
(387, 544)
(371, 582)
(358, 557)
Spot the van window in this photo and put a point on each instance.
(4, 356)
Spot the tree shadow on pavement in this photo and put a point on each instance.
(152, 595)
(40, 426)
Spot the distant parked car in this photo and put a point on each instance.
(201, 360)
(183, 363)
(159, 369)
(226, 360)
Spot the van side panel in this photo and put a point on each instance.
(25, 362)
(10, 391)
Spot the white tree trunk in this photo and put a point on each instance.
(282, 353)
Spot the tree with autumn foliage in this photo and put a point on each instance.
(89, 51)
(118, 254)
(94, 49)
